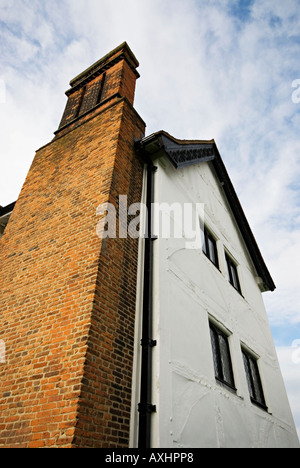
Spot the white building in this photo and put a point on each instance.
(213, 377)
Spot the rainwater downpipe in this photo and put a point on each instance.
(146, 407)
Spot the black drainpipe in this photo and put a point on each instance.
(145, 407)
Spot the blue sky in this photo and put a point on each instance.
(241, 9)
(219, 69)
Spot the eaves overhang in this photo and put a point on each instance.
(5, 213)
(184, 153)
(7, 210)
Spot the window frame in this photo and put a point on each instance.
(216, 334)
(253, 377)
(233, 275)
(210, 241)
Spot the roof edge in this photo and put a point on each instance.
(4, 210)
(175, 140)
(204, 151)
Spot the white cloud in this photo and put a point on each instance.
(205, 73)
(290, 368)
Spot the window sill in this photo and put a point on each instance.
(211, 261)
(237, 290)
(226, 385)
(259, 405)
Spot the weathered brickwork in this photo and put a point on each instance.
(110, 78)
(67, 297)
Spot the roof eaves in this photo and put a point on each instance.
(183, 153)
(7, 209)
(180, 152)
(242, 222)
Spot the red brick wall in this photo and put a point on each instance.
(67, 297)
(106, 393)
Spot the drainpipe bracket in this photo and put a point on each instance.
(146, 408)
(151, 238)
(145, 342)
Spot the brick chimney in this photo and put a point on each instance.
(67, 297)
(112, 77)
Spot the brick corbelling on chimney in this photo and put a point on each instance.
(121, 53)
(67, 297)
(107, 80)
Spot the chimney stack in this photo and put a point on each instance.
(68, 298)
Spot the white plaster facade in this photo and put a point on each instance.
(193, 409)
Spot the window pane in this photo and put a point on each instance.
(259, 397)
(216, 354)
(211, 249)
(221, 355)
(228, 269)
(225, 359)
(253, 379)
(235, 281)
(232, 274)
(248, 375)
(203, 242)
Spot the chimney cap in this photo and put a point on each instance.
(122, 51)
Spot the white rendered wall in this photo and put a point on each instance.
(192, 409)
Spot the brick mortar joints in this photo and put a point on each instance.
(58, 137)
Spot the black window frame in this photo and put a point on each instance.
(233, 276)
(222, 357)
(209, 245)
(253, 377)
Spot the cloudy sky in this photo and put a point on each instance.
(222, 69)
